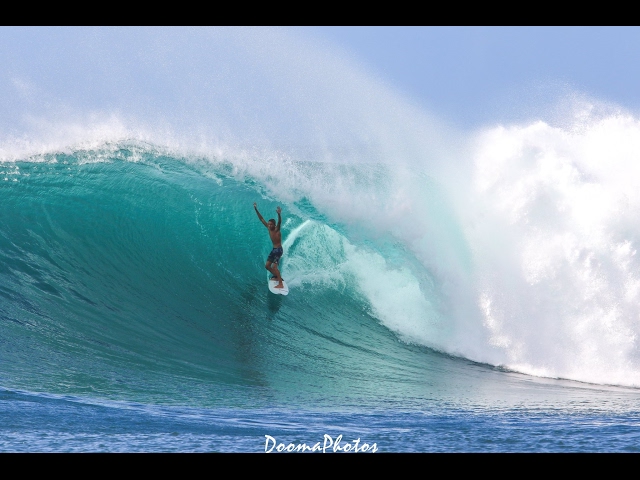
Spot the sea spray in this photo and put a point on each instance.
(555, 221)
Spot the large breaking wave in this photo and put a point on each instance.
(128, 213)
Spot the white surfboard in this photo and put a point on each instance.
(278, 291)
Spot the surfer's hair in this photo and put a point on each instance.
(272, 220)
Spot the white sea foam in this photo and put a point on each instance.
(538, 268)
(317, 255)
(556, 222)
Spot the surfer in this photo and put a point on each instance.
(276, 238)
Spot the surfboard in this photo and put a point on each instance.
(278, 291)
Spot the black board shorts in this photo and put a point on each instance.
(274, 256)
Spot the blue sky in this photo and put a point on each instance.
(466, 76)
(473, 74)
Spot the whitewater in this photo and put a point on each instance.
(449, 290)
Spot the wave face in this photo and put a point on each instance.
(133, 275)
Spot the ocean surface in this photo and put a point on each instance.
(450, 291)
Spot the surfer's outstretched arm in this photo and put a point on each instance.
(255, 206)
(278, 210)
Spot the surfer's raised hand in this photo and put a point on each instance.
(255, 206)
(278, 210)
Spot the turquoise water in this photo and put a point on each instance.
(134, 316)
(145, 280)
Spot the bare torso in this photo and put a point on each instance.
(276, 238)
